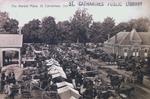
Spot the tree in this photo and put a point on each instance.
(11, 26)
(108, 25)
(3, 19)
(123, 26)
(80, 24)
(31, 31)
(96, 35)
(140, 24)
(48, 30)
(64, 31)
(99, 31)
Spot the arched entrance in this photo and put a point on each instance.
(10, 55)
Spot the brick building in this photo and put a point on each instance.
(129, 44)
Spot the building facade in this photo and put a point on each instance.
(129, 44)
(10, 42)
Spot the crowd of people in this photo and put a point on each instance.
(7, 82)
(73, 59)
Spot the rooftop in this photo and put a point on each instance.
(127, 38)
(11, 40)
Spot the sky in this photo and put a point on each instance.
(37, 9)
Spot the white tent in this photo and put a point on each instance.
(55, 67)
(64, 83)
(37, 52)
(59, 75)
(55, 70)
(51, 62)
(68, 93)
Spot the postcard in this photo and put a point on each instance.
(74, 49)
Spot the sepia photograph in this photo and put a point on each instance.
(74, 49)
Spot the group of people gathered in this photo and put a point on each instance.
(7, 81)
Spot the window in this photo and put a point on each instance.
(135, 52)
(125, 52)
(146, 52)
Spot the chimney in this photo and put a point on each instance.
(116, 39)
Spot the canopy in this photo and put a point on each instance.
(56, 70)
(51, 62)
(63, 84)
(55, 67)
(59, 75)
(51, 72)
(68, 93)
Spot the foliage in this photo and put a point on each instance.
(48, 30)
(11, 26)
(31, 31)
(3, 19)
(95, 32)
(100, 31)
(80, 24)
(108, 25)
(140, 24)
(80, 28)
(7, 24)
(64, 31)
